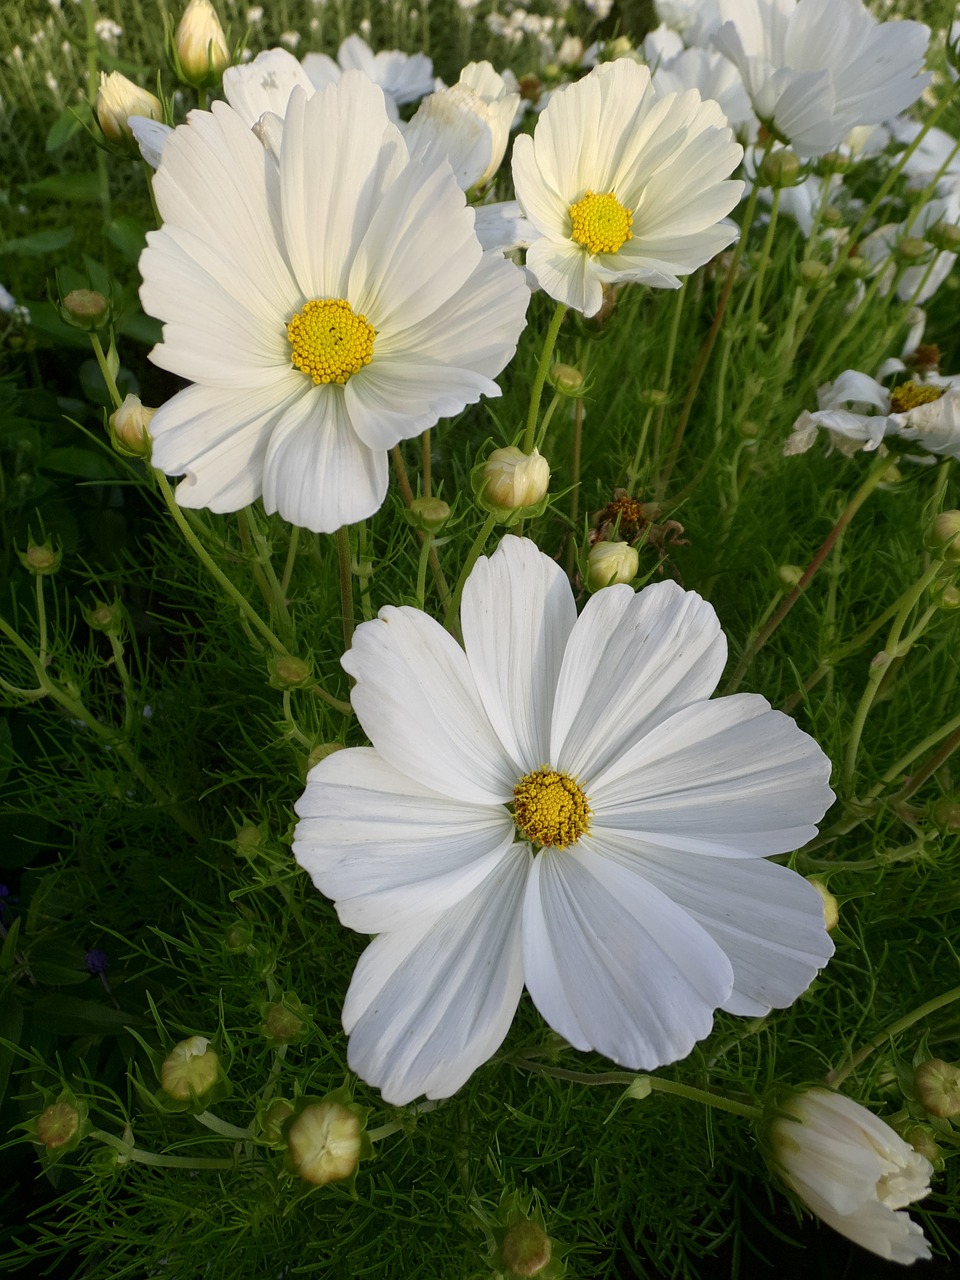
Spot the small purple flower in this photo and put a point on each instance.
(97, 961)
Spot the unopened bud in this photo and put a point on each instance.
(814, 274)
(789, 575)
(249, 838)
(833, 162)
(938, 1087)
(913, 250)
(41, 558)
(274, 1118)
(284, 1022)
(921, 1139)
(237, 938)
(190, 1069)
(202, 54)
(652, 397)
(611, 562)
(832, 216)
(780, 169)
(943, 536)
(289, 672)
(58, 1126)
(946, 814)
(566, 378)
(86, 309)
(514, 480)
(831, 908)
(945, 236)
(526, 1248)
(856, 266)
(944, 595)
(325, 1142)
(129, 427)
(321, 751)
(105, 617)
(428, 514)
(117, 100)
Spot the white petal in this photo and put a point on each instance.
(615, 966)
(634, 658)
(417, 701)
(151, 136)
(388, 851)
(729, 778)
(517, 613)
(265, 84)
(765, 918)
(317, 472)
(567, 273)
(427, 1006)
(396, 399)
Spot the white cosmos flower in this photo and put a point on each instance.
(403, 77)
(623, 185)
(814, 69)
(325, 300)
(468, 123)
(852, 1170)
(926, 412)
(558, 805)
(713, 76)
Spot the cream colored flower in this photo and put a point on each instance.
(117, 100)
(468, 123)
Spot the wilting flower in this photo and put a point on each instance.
(325, 301)
(623, 185)
(926, 412)
(814, 69)
(852, 1170)
(468, 123)
(403, 77)
(559, 806)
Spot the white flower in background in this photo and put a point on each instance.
(926, 412)
(469, 124)
(560, 806)
(326, 301)
(118, 99)
(882, 248)
(696, 20)
(402, 77)
(265, 84)
(623, 185)
(850, 1169)
(713, 76)
(937, 157)
(814, 69)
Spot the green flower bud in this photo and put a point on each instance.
(61, 1127)
(922, 1140)
(321, 751)
(237, 938)
(526, 1248)
(946, 814)
(833, 162)
(86, 309)
(129, 428)
(944, 595)
(789, 575)
(513, 480)
(832, 216)
(250, 838)
(913, 250)
(611, 562)
(815, 275)
(285, 1021)
(105, 617)
(937, 1084)
(41, 558)
(567, 380)
(856, 266)
(652, 397)
(326, 1140)
(429, 515)
(274, 1118)
(289, 672)
(780, 169)
(943, 536)
(945, 236)
(190, 1070)
(831, 908)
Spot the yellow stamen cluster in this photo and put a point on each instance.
(329, 342)
(601, 223)
(911, 394)
(550, 810)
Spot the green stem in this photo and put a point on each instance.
(950, 731)
(543, 368)
(290, 560)
(837, 1076)
(439, 577)
(426, 471)
(893, 648)
(450, 620)
(346, 585)
(160, 1162)
(105, 369)
(426, 546)
(211, 1121)
(761, 269)
(853, 506)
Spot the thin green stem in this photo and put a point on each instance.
(135, 1154)
(346, 585)
(439, 577)
(839, 1074)
(290, 561)
(426, 546)
(211, 1121)
(761, 268)
(543, 368)
(105, 369)
(426, 473)
(41, 622)
(950, 731)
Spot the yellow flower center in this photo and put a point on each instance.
(601, 223)
(911, 394)
(550, 810)
(329, 342)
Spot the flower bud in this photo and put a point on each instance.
(128, 427)
(945, 236)
(189, 1070)
(938, 1087)
(611, 562)
(831, 908)
(285, 1021)
(200, 46)
(321, 751)
(780, 169)
(41, 558)
(789, 575)
(514, 480)
(325, 1142)
(237, 938)
(429, 515)
(250, 838)
(946, 814)
(526, 1248)
(567, 380)
(652, 397)
(856, 266)
(118, 100)
(943, 536)
(274, 1118)
(833, 162)
(912, 250)
(815, 275)
(944, 595)
(105, 617)
(85, 309)
(832, 216)
(289, 672)
(922, 1140)
(60, 1127)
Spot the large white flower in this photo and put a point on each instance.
(403, 77)
(815, 69)
(327, 299)
(623, 185)
(851, 1170)
(560, 806)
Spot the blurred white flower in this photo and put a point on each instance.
(852, 1170)
(402, 77)
(559, 805)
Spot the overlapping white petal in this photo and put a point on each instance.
(251, 232)
(632, 936)
(665, 160)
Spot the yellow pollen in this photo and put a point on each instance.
(911, 394)
(549, 809)
(329, 342)
(601, 223)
